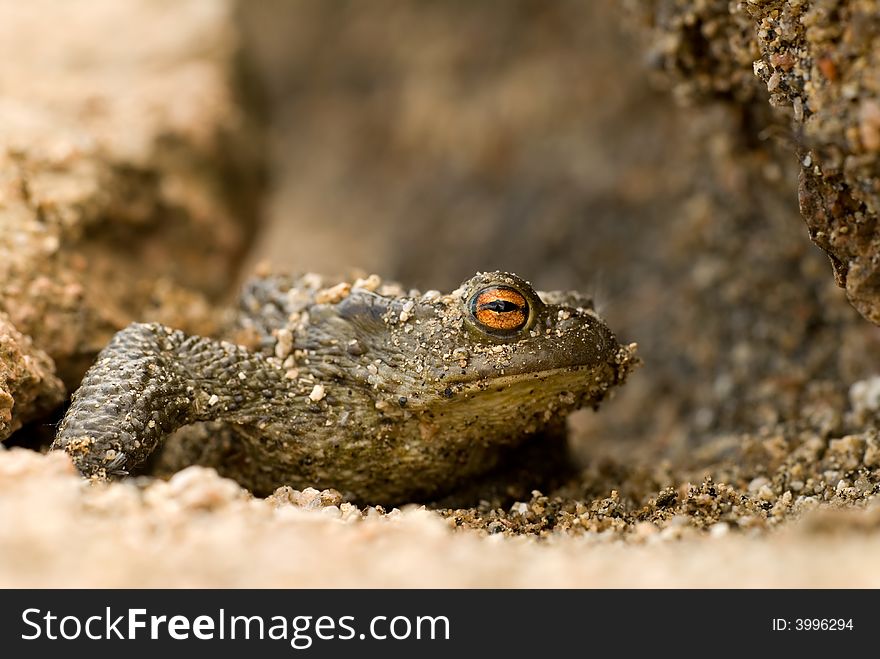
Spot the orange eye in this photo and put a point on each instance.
(500, 310)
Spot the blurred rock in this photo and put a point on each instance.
(121, 127)
(819, 61)
(28, 386)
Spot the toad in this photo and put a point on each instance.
(384, 394)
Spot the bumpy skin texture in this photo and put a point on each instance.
(383, 395)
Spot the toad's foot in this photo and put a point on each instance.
(151, 380)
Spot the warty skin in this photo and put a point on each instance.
(385, 395)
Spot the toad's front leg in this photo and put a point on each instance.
(151, 380)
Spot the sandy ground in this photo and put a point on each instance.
(200, 530)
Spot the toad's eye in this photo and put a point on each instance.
(500, 310)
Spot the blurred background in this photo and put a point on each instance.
(426, 141)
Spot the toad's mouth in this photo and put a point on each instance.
(581, 378)
(520, 396)
(470, 384)
(583, 381)
(589, 362)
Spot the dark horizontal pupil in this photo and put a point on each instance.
(500, 306)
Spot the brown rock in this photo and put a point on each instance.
(119, 125)
(819, 60)
(28, 386)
